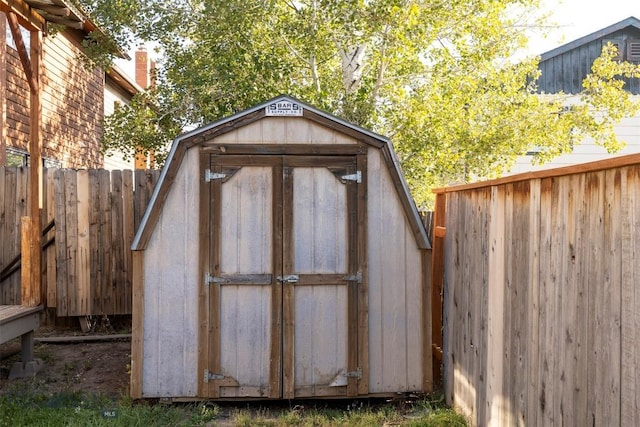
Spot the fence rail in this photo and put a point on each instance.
(96, 212)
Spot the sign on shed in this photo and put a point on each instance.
(281, 256)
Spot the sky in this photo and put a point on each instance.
(578, 18)
(574, 19)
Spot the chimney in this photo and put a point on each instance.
(144, 78)
(142, 67)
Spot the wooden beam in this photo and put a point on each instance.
(53, 9)
(600, 165)
(137, 325)
(437, 282)
(3, 90)
(22, 51)
(34, 283)
(27, 16)
(67, 22)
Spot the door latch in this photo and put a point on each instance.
(291, 278)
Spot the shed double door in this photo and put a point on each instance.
(284, 276)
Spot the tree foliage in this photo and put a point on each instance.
(437, 76)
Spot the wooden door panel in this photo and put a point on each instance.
(319, 222)
(246, 222)
(320, 340)
(317, 250)
(245, 331)
(283, 275)
(243, 286)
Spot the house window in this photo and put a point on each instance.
(633, 50)
(26, 38)
(17, 157)
(51, 163)
(619, 44)
(21, 158)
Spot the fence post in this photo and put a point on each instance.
(30, 276)
(437, 276)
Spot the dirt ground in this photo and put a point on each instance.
(100, 368)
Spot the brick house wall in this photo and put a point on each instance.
(72, 103)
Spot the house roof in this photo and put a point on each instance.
(62, 12)
(123, 80)
(207, 132)
(37, 13)
(604, 32)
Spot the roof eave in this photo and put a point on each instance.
(629, 22)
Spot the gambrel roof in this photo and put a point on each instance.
(251, 115)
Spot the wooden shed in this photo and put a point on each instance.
(281, 256)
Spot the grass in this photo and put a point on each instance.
(21, 406)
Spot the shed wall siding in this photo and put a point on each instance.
(284, 130)
(395, 336)
(171, 296)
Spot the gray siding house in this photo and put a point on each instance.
(564, 68)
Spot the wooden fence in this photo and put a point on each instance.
(542, 297)
(87, 269)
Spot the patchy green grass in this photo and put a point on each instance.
(21, 406)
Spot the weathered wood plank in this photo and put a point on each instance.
(276, 330)
(450, 262)
(104, 296)
(70, 284)
(495, 398)
(204, 259)
(118, 277)
(630, 315)
(288, 293)
(137, 325)
(83, 261)
(128, 232)
(95, 255)
(533, 305)
(61, 244)
(608, 328)
(363, 287)
(595, 205)
(50, 253)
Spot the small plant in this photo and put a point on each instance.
(205, 413)
(44, 353)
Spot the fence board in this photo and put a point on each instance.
(117, 268)
(61, 244)
(88, 269)
(563, 333)
(82, 263)
(14, 207)
(128, 233)
(103, 303)
(49, 257)
(630, 322)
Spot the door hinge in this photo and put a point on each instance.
(354, 278)
(210, 176)
(209, 376)
(353, 374)
(357, 177)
